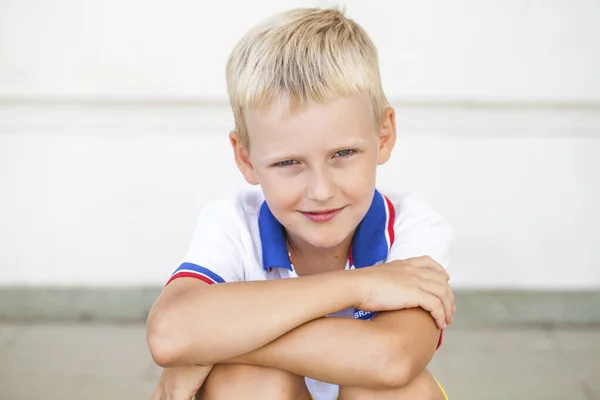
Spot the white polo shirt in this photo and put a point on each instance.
(238, 239)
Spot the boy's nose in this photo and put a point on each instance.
(320, 186)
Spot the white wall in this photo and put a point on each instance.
(483, 50)
(113, 127)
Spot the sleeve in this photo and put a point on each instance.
(420, 231)
(214, 254)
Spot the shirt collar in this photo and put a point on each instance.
(370, 244)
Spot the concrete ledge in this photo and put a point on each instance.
(474, 307)
(208, 118)
(77, 303)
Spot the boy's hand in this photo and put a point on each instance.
(415, 282)
(180, 383)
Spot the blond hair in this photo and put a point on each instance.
(301, 56)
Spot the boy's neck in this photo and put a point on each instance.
(309, 260)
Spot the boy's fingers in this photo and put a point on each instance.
(431, 275)
(434, 305)
(444, 294)
(447, 297)
(428, 262)
(451, 305)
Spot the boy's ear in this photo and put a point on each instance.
(387, 135)
(242, 158)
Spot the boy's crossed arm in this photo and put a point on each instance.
(387, 352)
(280, 323)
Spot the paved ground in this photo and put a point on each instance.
(101, 362)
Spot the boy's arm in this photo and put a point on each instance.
(196, 323)
(386, 352)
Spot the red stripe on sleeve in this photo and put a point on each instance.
(190, 275)
(440, 340)
(391, 222)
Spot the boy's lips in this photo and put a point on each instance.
(322, 215)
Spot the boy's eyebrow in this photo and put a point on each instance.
(351, 143)
(286, 155)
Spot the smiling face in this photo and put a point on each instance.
(317, 167)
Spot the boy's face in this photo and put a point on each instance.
(317, 167)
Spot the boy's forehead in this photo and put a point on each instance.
(340, 112)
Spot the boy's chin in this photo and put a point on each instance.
(324, 242)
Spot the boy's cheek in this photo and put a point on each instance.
(280, 196)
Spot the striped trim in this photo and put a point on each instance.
(189, 270)
(441, 388)
(350, 259)
(390, 233)
(440, 340)
(390, 220)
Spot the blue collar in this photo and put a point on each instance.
(369, 245)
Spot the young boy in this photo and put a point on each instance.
(363, 315)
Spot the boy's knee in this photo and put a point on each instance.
(423, 387)
(246, 382)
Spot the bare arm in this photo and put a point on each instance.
(415, 338)
(196, 323)
(387, 352)
(193, 323)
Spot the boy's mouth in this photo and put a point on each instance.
(322, 215)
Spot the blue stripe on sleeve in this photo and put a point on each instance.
(201, 270)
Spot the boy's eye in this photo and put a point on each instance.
(345, 153)
(286, 163)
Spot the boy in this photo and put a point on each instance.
(312, 125)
